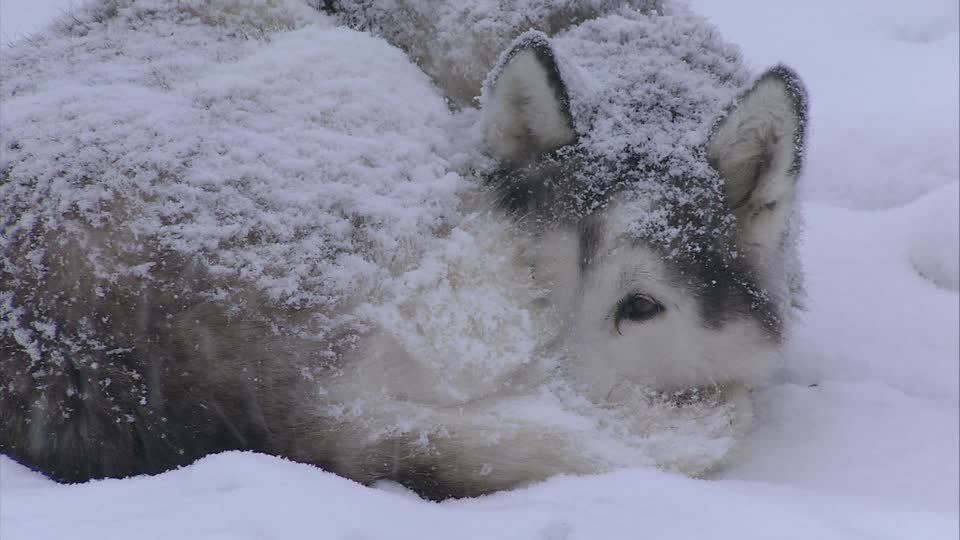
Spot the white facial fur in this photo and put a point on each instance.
(673, 350)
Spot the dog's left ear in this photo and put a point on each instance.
(757, 147)
(526, 108)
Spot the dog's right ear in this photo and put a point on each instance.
(526, 108)
(757, 147)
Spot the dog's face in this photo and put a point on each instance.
(663, 279)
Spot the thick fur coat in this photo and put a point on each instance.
(262, 231)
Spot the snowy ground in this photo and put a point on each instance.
(870, 451)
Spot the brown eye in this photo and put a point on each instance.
(637, 308)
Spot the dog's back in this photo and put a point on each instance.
(174, 273)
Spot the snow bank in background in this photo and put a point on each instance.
(931, 230)
(866, 440)
(872, 315)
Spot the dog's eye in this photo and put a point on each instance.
(637, 308)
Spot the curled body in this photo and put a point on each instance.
(588, 272)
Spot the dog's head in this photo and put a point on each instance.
(663, 255)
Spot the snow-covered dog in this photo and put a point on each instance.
(632, 214)
(264, 237)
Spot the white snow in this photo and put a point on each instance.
(238, 495)
(871, 451)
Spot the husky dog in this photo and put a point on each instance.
(635, 229)
(670, 259)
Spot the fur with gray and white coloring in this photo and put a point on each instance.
(653, 222)
(629, 241)
(457, 42)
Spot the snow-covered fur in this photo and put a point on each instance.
(667, 270)
(457, 42)
(233, 225)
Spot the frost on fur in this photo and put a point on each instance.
(457, 42)
(526, 106)
(606, 157)
(233, 225)
(173, 251)
(757, 146)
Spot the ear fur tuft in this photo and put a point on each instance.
(526, 108)
(757, 147)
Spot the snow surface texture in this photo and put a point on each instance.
(871, 452)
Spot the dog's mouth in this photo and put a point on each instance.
(705, 395)
(700, 395)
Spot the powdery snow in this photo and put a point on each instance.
(238, 495)
(856, 438)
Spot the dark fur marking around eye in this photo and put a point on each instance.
(729, 291)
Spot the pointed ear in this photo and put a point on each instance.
(757, 147)
(526, 109)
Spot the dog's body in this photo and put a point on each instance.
(638, 231)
